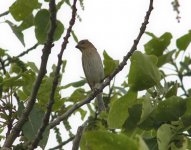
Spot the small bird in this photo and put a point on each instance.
(93, 68)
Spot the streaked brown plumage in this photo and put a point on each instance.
(93, 68)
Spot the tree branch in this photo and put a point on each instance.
(109, 78)
(27, 51)
(77, 139)
(180, 76)
(4, 14)
(3, 66)
(55, 81)
(45, 55)
(10, 120)
(63, 143)
(19, 55)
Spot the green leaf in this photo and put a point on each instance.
(156, 46)
(143, 71)
(60, 3)
(82, 113)
(186, 118)
(42, 25)
(75, 84)
(16, 30)
(170, 109)
(58, 103)
(141, 143)
(183, 42)
(104, 140)
(21, 107)
(2, 52)
(13, 81)
(164, 135)
(4, 116)
(133, 119)
(164, 59)
(33, 66)
(151, 34)
(151, 143)
(21, 9)
(29, 78)
(19, 63)
(33, 124)
(59, 30)
(1, 134)
(68, 2)
(15, 68)
(109, 64)
(44, 91)
(172, 91)
(26, 23)
(149, 123)
(180, 142)
(119, 113)
(22, 96)
(75, 37)
(78, 95)
(189, 144)
(1, 86)
(147, 109)
(64, 65)
(146, 121)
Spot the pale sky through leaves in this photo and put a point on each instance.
(111, 25)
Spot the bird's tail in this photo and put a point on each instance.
(100, 103)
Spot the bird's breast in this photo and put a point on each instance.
(93, 68)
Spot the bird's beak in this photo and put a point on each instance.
(77, 46)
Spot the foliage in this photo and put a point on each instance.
(149, 111)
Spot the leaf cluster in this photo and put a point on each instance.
(148, 111)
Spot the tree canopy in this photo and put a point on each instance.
(150, 110)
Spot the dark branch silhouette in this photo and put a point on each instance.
(77, 139)
(63, 143)
(44, 58)
(55, 81)
(4, 14)
(9, 59)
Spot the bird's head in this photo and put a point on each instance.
(84, 45)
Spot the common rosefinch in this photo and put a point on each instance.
(93, 68)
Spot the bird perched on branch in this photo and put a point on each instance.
(93, 68)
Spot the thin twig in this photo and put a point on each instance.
(27, 51)
(9, 120)
(180, 76)
(109, 78)
(42, 71)
(176, 7)
(4, 14)
(111, 90)
(55, 81)
(19, 55)
(10, 110)
(77, 139)
(3, 66)
(63, 143)
(10, 102)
